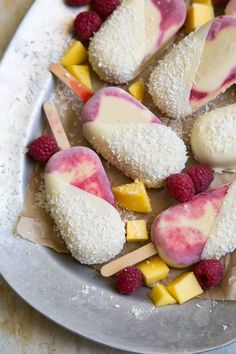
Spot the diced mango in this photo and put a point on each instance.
(161, 297)
(75, 54)
(205, 2)
(133, 196)
(137, 90)
(198, 15)
(136, 231)
(81, 73)
(153, 269)
(185, 287)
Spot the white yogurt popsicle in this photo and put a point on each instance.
(213, 139)
(132, 35)
(131, 138)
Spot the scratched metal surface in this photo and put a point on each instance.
(22, 329)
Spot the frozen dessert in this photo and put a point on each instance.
(131, 138)
(196, 70)
(130, 37)
(82, 205)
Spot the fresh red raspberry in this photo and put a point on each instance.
(43, 148)
(208, 273)
(78, 2)
(202, 176)
(86, 24)
(104, 8)
(180, 187)
(128, 280)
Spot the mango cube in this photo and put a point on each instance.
(153, 269)
(161, 297)
(136, 231)
(75, 54)
(185, 287)
(205, 2)
(198, 15)
(137, 90)
(81, 73)
(133, 196)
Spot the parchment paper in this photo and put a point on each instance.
(36, 224)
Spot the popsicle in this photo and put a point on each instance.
(196, 70)
(131, 138)
(231, 8)
(132, 35)
(213, 139)
(222, 238)
(180, 233)
(81, 202)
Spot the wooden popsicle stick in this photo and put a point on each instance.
(56, 125)
(129, 259)
(70, 81)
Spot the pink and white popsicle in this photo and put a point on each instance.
(206, 66)
(80, 200)
(180, 233)
(202, 228)
(131, 137)
(131, 36)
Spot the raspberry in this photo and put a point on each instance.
(128, 280)
(180, 186)
(104, 8)
(202, 176)
(43, 148)
(86, 24)
(78, 2)
(208, 273)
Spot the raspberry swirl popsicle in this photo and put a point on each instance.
(83, 206)
(180, 233)
(198, 69)
(131, 138)
(132, 35)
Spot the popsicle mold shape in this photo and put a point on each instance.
(130, 37)
(231, 8)
(131, 138)
(180, 233)
(161, 297)
(222, 238)
(82, 205)
(196, 70)
(213, 139)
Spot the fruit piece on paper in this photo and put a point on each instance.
(198, 15)
(75, 54)
(153, 269)
(185, 287)
(81, 73)
(133, 197)
(137, 90)
(136, 231)
(161, 297)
